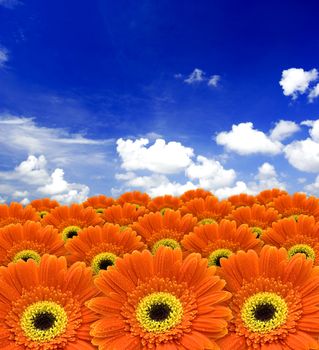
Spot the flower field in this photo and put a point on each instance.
(168, 273)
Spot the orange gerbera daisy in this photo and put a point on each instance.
(15, 213)
(99, 246)
(43, 306)
(257, 217)
(135, 197)
(123, 215)
(70, 220)
(192, 194)
(99, 203)
(300, 236)
(28, 241)
(267, 197)
(275, 301)
(207, 210)
(216, 241)
(160, 302)
(296, 204)
(167, 229)
(44, 205)
(242, 200)
(162, 203)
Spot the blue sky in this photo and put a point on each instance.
(158, 96)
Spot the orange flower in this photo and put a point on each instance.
(267, 197)
(134, 197)
(192, 194)
(16, 213)
(99, 246)
(275, 301)
(160, 302)
(162, 203)
(242, 200)
(168, 229)
(44, 205)
(123, 215)
(70, 220)
(43, 306)
(99, 203)
(28, 241)
(216, 241)
(257, 217)
(207, 210)
(300, 236)
(297, 204)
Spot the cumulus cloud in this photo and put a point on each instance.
(266, 177)
(196, 76)
(4, 56)
(296, 81)
(213, 80)
(283, 130)
(210, 173)
(313, 188)
(244, 140)
(314, 93)
(160, 157)
(225, 192)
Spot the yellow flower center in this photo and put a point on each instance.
(99, 210)
(166, 242)
(102, 261)
(27, 254)
(302, 249)
(216, 255)
(257, 231)
(206, 221)
(42, 213)
(264, 311)
(43, 321)
(70, 232)
(159, 312)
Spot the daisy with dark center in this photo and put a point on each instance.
(124, 215)
(297, 204)
(275, 301)
(99, 247)
(70, 220)
(162, 203)
(43, 206)
(300, 236)
(99, 203)
(257, 217)
(192, 194)
(166, 229)
(242, 200)
(29, 241)
(217, 241)
(208, 210)
(15, 213)
(137, 198)
(43, 305)
(160, 302)
(267, 197)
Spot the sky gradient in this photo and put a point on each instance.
(110, 96)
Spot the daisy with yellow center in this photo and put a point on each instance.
(154, 301)
(275, 301)
(15, 213)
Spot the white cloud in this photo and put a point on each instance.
(161, 157)
(313, 188)
(296, 81)
(267, 178)
(225, 192)
(196, 76)
(283, 129)
(210, 173)
(213, 80)
(4, 56)
(244, 139)
(25, 201)
(18, 194)
(313, 93)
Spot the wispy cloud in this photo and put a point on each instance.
(4, 56)
(10, 4)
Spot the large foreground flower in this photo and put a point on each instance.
(275, 301)
(29, 241)
(70, 220)
(15, 213)
(99, 247)
(216, 241)
(160, 302)
(42, 307)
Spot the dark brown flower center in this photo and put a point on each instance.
(159, 312)
(44, 320)
(264, 312)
